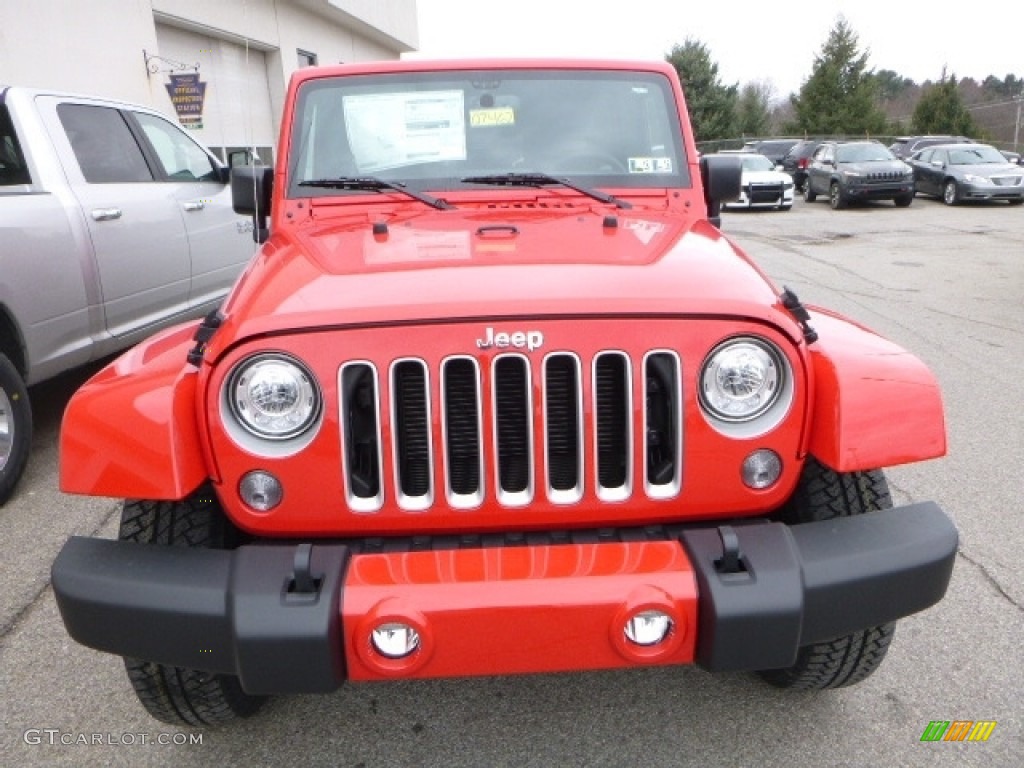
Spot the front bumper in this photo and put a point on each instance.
(878, 191)
(297, 618)
(990, 191)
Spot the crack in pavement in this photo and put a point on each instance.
(991, 579)
(20, 614)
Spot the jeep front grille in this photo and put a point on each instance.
(499, 402)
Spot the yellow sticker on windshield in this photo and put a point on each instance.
(480, 118)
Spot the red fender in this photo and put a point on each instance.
(130, 431)
(875, 405)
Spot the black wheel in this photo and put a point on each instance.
(835, 197)
(15, 427)
(173, 694)
(1015, 202)
(904, 201)
(824, 494)
(809, 194)
(950, 192)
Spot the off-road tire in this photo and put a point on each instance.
(823, 494)
(15, 427)
(836, 198)
(177, 695)
(809, 194)
(903, 201)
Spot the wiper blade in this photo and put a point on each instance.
(543, 180)
(374, 184)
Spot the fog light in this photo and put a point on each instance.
(395, 640)
(261, 491)
(761, 469)
(648, 627)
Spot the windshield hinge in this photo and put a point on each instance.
(203, 334)
(800, 314)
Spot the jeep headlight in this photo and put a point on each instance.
(273, 396)
(742, 379)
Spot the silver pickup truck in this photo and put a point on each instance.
(114, 222)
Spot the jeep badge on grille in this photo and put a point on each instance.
(528, 340)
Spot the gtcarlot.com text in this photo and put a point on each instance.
(57, 737)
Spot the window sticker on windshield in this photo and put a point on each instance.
(650, 165)
(391, 130)
(482, 118)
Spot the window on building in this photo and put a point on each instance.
(306, 58)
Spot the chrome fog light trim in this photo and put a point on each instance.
(648, 628)
(395, 640)
(761, 469)
(261, 490)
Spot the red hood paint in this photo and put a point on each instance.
(552, 257)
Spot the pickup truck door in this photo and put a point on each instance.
(220, 241)
(135, 224)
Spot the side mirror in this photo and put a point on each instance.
(722, 176)
(251, 187)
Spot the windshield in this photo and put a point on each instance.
(430, 130)
(758, 163)
(863, 153)
(979, 155)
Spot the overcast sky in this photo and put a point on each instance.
(750, 40)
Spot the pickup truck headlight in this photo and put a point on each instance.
(742, 379)
(273, 396)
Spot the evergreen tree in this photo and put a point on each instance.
(753, 109)
(711, 104)
(839, 98)
(941, 110)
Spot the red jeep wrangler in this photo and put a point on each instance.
(496, 396)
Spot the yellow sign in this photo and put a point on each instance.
(479, 118)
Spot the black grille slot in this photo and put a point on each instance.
(562, 402)
(662, 439)
(361, 430)
(611, 388)
(512, 423)
(462, 426)
(412, 427)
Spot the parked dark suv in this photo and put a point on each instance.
(850, 171)
(773, 149)
(795, 161)
(905, 146)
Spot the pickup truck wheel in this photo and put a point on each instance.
(15, 427)
(821, 495)
(177, 695)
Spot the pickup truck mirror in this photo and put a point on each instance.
(251, 186)
(722, 177)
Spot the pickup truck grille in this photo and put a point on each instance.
(511, 429)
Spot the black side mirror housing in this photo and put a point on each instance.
(251, 187)
(722, 177)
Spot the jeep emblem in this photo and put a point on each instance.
(528, 340)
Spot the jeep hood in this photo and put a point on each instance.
(475, 264)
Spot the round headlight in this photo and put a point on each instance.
(741, 380)
(274, 397)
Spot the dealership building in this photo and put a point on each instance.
(221, 66)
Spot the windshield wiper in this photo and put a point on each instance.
(372, 183)
(542, 180)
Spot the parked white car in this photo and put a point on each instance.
(763, 185)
